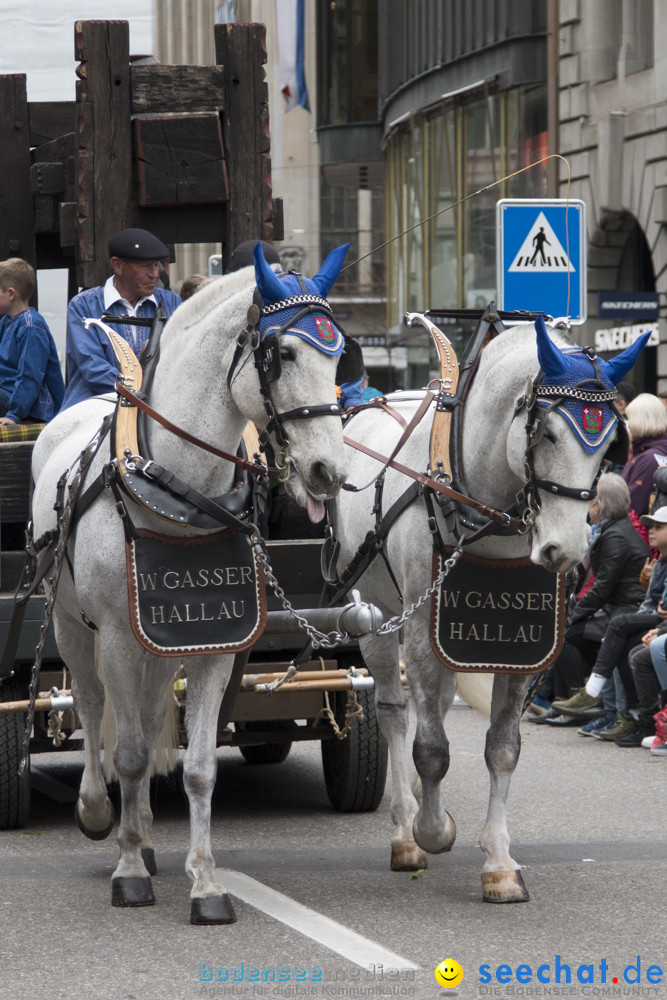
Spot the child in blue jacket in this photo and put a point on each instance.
(31, 382)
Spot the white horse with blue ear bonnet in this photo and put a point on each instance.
(536, 423)
(222, 362)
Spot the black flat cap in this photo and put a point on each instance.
(137, 244)
(242, 255)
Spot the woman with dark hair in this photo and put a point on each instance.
(617, 554)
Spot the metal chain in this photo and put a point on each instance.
(320, 640)
(64, 526)
(397, 621)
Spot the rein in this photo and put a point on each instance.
(134, 400)
(501, 517)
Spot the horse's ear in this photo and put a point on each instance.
(268, 283)
(327, 274)
(622, 363)
(553, 362)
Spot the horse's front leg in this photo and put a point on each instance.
(432, 687)
(206, 683)
(502, 881)
(380, 655)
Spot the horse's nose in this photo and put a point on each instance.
(554, 559)
(324, 479)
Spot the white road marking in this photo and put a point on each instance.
(325, 931)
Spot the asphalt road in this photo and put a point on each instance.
(588, 825)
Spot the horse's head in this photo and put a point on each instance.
(565, 423)
(295, 344)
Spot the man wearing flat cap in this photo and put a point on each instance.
(132, 290)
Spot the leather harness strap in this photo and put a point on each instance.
(407, 432)
(495, 515)
(141, 404)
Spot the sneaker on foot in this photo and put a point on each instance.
(594, 726)
(634, 736)
(562, 720)
(580, 704)
(619, 727)
(648, 741)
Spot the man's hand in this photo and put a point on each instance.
(7, 422)
(649, 636)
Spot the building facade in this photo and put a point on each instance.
(426, 113)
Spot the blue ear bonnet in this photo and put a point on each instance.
(317, 330)
(293, 299)
(592, 423)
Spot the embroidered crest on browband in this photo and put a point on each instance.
(296, 305)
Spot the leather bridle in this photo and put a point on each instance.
(592, 391)
(268, 353)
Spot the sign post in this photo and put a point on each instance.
(541, 256)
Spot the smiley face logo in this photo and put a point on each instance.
(449, 973)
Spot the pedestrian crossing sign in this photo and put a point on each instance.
(541, 256)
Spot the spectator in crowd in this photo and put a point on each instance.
(617, 555)
(649, 668)
(624, 633)
(647, 419)
(243, 255)
(135, 257)
(31, 382)
(368, 392)
(192, 284)
(626, 393)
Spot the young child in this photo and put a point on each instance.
(31, 382)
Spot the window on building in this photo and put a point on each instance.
(636, 52)
(440, 205)
(348, 70)
(355, 216)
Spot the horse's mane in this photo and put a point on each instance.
(219, 292)
(523, 335)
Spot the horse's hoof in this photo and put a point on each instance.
(439, 841)
(87, 830)
(504, 887)
(132, 890)
(406, 856)
(148, 858)
(212, 910)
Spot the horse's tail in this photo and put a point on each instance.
(476, 690)
(165, 752)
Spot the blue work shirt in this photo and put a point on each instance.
(29, 367)
(92, 368)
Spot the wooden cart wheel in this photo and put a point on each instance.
(355, 768)
(14, 788)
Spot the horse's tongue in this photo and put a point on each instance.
(315, 509)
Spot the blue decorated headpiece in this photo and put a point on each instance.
(587, 384)
(292, 298)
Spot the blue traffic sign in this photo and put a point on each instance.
(541, 256)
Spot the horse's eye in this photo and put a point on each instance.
(549, 435)
(287, 353)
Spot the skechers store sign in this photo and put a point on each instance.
(619, 337)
